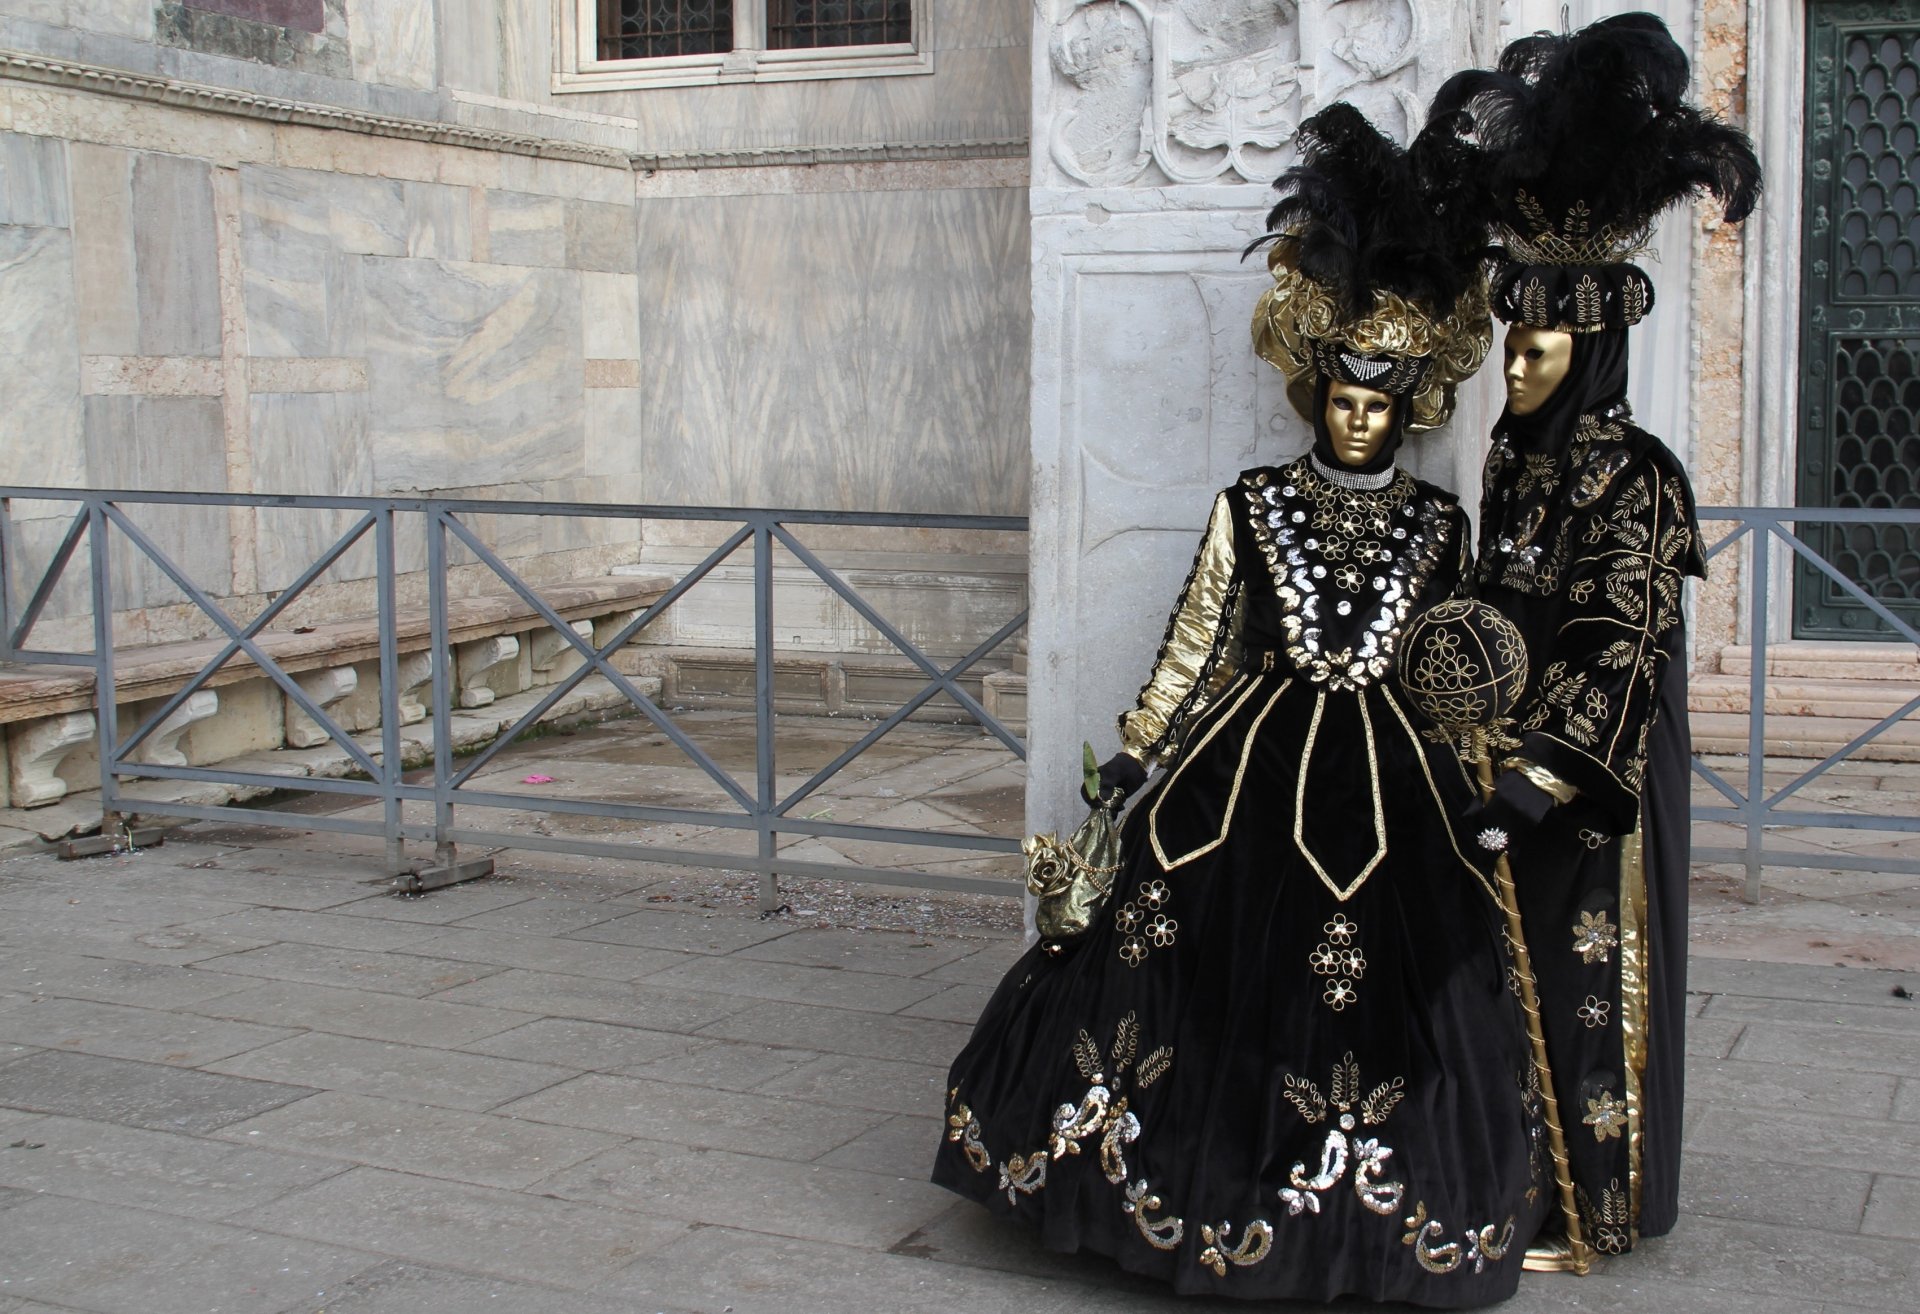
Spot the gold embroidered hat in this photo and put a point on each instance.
(1376, 264)
(1585, 139)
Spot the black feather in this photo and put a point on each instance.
(1362, 214)
(1599, 117)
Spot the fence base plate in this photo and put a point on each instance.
(424, 875)
(92, 846)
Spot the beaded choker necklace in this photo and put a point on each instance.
(1353, 479)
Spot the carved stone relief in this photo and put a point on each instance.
(1150, 92)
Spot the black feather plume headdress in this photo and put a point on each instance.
(1584, 140)
(1376, 259)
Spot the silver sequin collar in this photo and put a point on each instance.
(1353, 479)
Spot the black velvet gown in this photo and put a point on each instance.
(1285, 1061)
(1586, 542)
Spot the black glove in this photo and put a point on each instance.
(1120, 776)
(1516, 806)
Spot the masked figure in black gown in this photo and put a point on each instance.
(1285, 1061)
(1587, 533)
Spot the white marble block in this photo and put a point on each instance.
(473, 661)
(162, 747)
(326, 687)
(414, 670)
(553, 657)
(35, 751)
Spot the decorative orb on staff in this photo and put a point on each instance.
(1463, 665)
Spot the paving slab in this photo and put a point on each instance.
(1792, 1195)
(754, 1193)
(722, 1268)
(1773, 1262)
(161, 1171)
(274, 924)
(982, 967)
(1712, 1037)
(442, 1077)
(883, 1085)
(363, 1013)
(900, 1145)
(1751, 1085)
(956, 1003)
(723, 1120)
(414, 1138)
(91, 1256)
(1862, 1144)
(120, 1031)
(724, 1065)
(482, 1230)
(79, 931)
(613, 962)
(836, 1031)
(107, 901)
(893, 953)
(1906, 1100)
(545, 917)
(401, 1288)
(1903, 1021)
(111, 981)
(587, 1046)
(1894, 1208)
(261, 886)
(784, 982)
(684, 931)
(147, 1095)
(441, 907)
(1834, 1048)
(353, 969)
(554, 994)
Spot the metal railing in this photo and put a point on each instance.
(1756, 807)
(100, 519)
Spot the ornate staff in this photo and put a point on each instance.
(1464, 666)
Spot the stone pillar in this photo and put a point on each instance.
(1158, 126)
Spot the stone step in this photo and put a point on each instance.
(1811, 659)
(1807, 736)
(1791, 696)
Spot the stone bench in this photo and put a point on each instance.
(500, 646)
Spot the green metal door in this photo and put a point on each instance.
(1860, 343)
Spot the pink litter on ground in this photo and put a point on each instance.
(536, 780)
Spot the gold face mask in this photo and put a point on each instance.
(1537, 360)
(1358, 420)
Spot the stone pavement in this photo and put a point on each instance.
(236, 1077)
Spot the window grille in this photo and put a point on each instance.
(650, 29)
(811, 24)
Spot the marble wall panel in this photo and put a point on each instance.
(367, 216)
(469, 41)
(162, 443)
(314, 443)
(474, 373)
(33, 181)
(393, 42)
(302, 294)
(107, 307)
(525, 229)
(39, 359)
(439, 222)
(610, 316)
(858, 350)
(128, 18)
(600, 237)
(613, 435)
(177, 281)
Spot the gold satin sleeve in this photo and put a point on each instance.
(1198, 638)
(1563, 791)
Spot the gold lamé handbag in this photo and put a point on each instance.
(1072, 880)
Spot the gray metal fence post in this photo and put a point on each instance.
(105, 699)
(765, 800)
(444, 854)
(391, 767)
(1755, 803)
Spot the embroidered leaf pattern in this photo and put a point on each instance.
(1153, 1067)
(1086, 1057)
